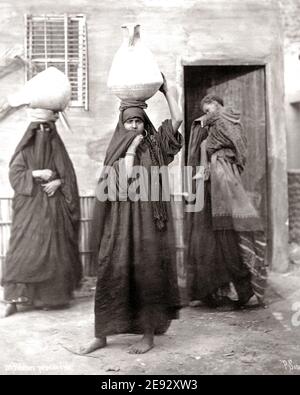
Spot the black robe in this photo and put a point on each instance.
(136, 259)
(42, 266)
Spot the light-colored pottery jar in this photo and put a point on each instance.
(134, 74)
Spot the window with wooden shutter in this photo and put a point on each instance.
(59, 41)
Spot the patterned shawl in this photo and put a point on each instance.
(227, 151)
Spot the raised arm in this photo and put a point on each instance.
(173, 106)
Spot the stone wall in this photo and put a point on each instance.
(170, 28)
(291, 19)
(222, 31)
(291, 22)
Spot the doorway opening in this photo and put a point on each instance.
(244, 89)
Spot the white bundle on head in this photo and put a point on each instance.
(45, 94)
(49, 89)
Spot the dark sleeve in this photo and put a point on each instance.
(20, 176)
(170, 141)
(197, 136)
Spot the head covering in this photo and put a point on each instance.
(120, 142)
(122, 138)
(36, 117)
(133, 112)
(210, 98)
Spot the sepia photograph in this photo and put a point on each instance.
(149, 190)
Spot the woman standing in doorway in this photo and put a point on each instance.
(226, 243)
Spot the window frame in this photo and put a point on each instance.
(81, 82)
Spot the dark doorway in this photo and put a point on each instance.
(241, 87)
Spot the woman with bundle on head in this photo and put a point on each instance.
(134, 243)
(226, 243)
(42, 267)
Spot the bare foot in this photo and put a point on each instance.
(10, 310)
(142, 346)
(96, 344)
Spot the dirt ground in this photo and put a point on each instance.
(202, 341)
